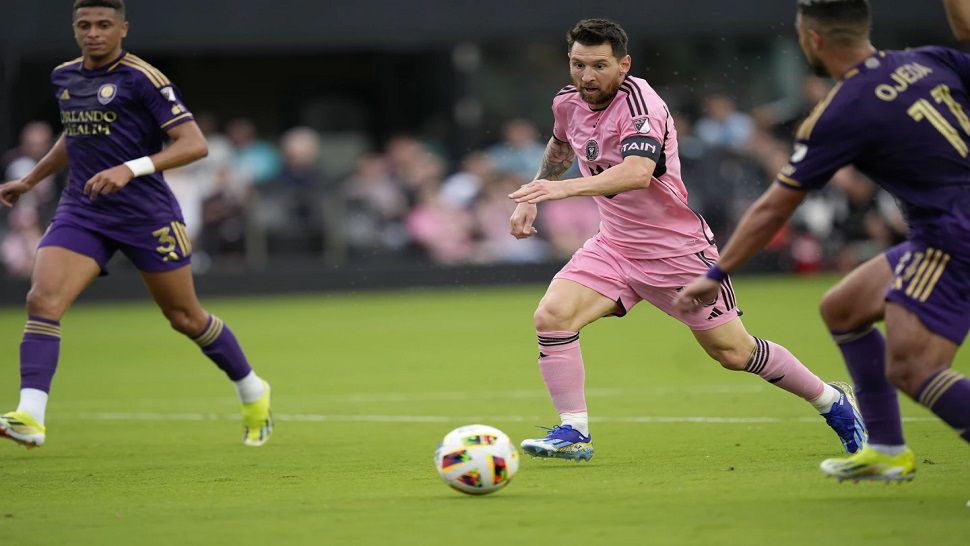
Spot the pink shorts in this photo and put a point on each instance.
(602, 268)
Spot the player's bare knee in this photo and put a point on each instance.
(183, 322)
(44, 304)
(729, 358)
(900, 374)
(904, 369)
(836, 311)
(731, 352)
(550, 317)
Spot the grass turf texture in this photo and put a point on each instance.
(144, 438)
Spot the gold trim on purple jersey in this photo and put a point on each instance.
(805, 131)
(176, 118)
(788, 181)
(153, 74)
(68, 63)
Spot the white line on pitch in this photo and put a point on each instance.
(406, 397)
(313, 417)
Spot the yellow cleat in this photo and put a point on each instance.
(257, 419)
(869, 464)
(20, 427)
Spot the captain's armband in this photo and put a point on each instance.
(641, 146)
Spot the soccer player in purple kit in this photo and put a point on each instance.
(901, 118)
(116, 109)
(650, 243)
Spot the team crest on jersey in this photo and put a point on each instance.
(168, 93)
(799, 154)
(107, 92)
(592, 150)
(641, 125)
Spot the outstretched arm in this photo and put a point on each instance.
(958, 12)
(53, 161)
(633, 174)
(188, 144)
(760, 223)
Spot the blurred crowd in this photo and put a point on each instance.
(311, 195)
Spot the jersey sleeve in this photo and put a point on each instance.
(559, 122)
(830, 138)
(163, 100)
(641, 134)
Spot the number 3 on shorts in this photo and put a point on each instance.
(172, 237)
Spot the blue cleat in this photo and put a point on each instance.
(845, 419)
(562, 442)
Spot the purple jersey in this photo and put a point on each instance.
(901, 118)
(111, 115)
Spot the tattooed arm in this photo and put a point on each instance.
(557, 159)
(634, 173)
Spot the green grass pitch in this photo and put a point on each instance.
(144, 441)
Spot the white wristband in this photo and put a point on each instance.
(141, 166)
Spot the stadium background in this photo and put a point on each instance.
(143, 438)
(366, 144)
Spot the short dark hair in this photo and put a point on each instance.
(844, 21)
(593, 32)
(114, 4)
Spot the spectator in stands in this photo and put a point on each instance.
(291, 205)
(442, 231)
(461, 188)
(196, 182)
(20, 241)
(376, 206)
(861, 229)
(36, 138)
(491, 213)
(782, 117)
(520, 151)
(722, 124)
(224, 217)
(257, 160)
(567, 224)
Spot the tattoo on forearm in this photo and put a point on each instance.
(556, 160)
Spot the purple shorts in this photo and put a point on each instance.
(626, 281)
(153, 248)
(933, 285)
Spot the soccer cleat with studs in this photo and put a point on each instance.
(562, 442)
(871, 465)
(845, 419)
(20, 427)
(258, 419)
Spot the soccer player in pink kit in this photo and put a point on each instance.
(649, 246)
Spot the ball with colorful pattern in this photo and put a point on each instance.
(476, 459)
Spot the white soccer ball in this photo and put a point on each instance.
(476, 459)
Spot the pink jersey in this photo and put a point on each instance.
(642, 224)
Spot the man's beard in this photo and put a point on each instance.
(600, 97)
(817, 67)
